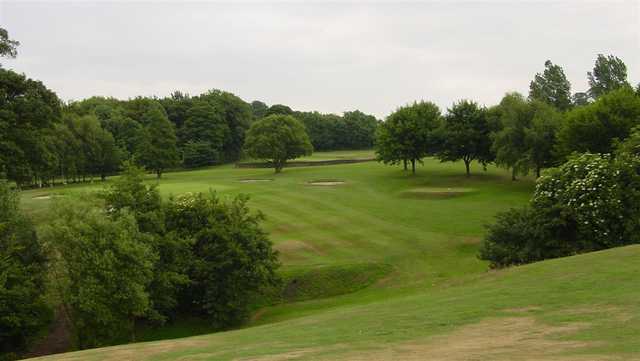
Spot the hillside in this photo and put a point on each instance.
(383, 266)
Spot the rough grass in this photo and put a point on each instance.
(381, 275)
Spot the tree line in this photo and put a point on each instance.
(521, 134)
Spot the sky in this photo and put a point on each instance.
(326, 56)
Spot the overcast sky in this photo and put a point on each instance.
(323, 56)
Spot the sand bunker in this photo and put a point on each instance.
(256, 180)
(48, 196)
(42, 197)
(435, 193)
(326, 182)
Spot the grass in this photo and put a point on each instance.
(379, 272)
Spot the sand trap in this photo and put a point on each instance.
(326, 182)
(48, 196)
(435, 193)
(42, 197)
(257, 180)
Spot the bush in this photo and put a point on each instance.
(592, 202)
(103, 268)
(231, 256)
(23, 311)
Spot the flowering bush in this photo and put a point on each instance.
(591, 202)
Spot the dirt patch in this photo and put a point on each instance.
(255, 180)
(513, 338)
(326, 182)
(435, 193)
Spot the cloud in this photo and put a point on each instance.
(330, 57)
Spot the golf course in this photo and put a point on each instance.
(381, 264)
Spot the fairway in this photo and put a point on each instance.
(385, 267)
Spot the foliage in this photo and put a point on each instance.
(103, 266)
(465, 135)
(231, 255)
(28, 111)
(259, 109)
(408, 134)
(595, 127)
(23, 311)
(7, 46)
(157, 149)
(527, 136)
(278, 109)
(551, 87)
(609, 73)
(591, 202)
(277, 138)
(203, 135)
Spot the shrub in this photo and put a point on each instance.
(23, 311)
(591, 202)
(231, 257)
(103, 268)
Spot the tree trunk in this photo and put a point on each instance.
(513, 174)
(466, 164)
(405, 164)
(159, 173)
(413, 166)
(537, 171)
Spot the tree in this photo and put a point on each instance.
(28, 111)
(596, 127)
(609, 73)
(7, 46)
(231, 259)
(157, 149)
(408, 134)
(23, 271)
(551, 87)
(279, 109)
(259, 109)
(465, 135)
(360, 129)
(103, 268)
(541, 136)
(238, 116)
(203, 135)
(277, 138)
(580, 98)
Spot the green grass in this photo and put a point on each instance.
(378, 265)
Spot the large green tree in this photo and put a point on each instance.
(609, 73)
(203, 135)
(103, 267)
(8, 47)
(465, 134)
(157, 149)
(509, 144)
(28, 111)
(551, 87)
(408, 134)
(23, 271)
(277, 138)
(596, 127)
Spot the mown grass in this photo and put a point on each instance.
(379, 266)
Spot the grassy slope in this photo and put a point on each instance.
(436, 283)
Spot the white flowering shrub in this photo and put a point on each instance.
(598, 195)
(591, 202)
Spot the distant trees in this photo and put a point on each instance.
(527, 136)
(465, 134)
(157, 149)
(595, 127)
(609, 73)
(28, 111)
(277, 138)
(408, 134)
(23, 309)
(203, 135)
(551, 87)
